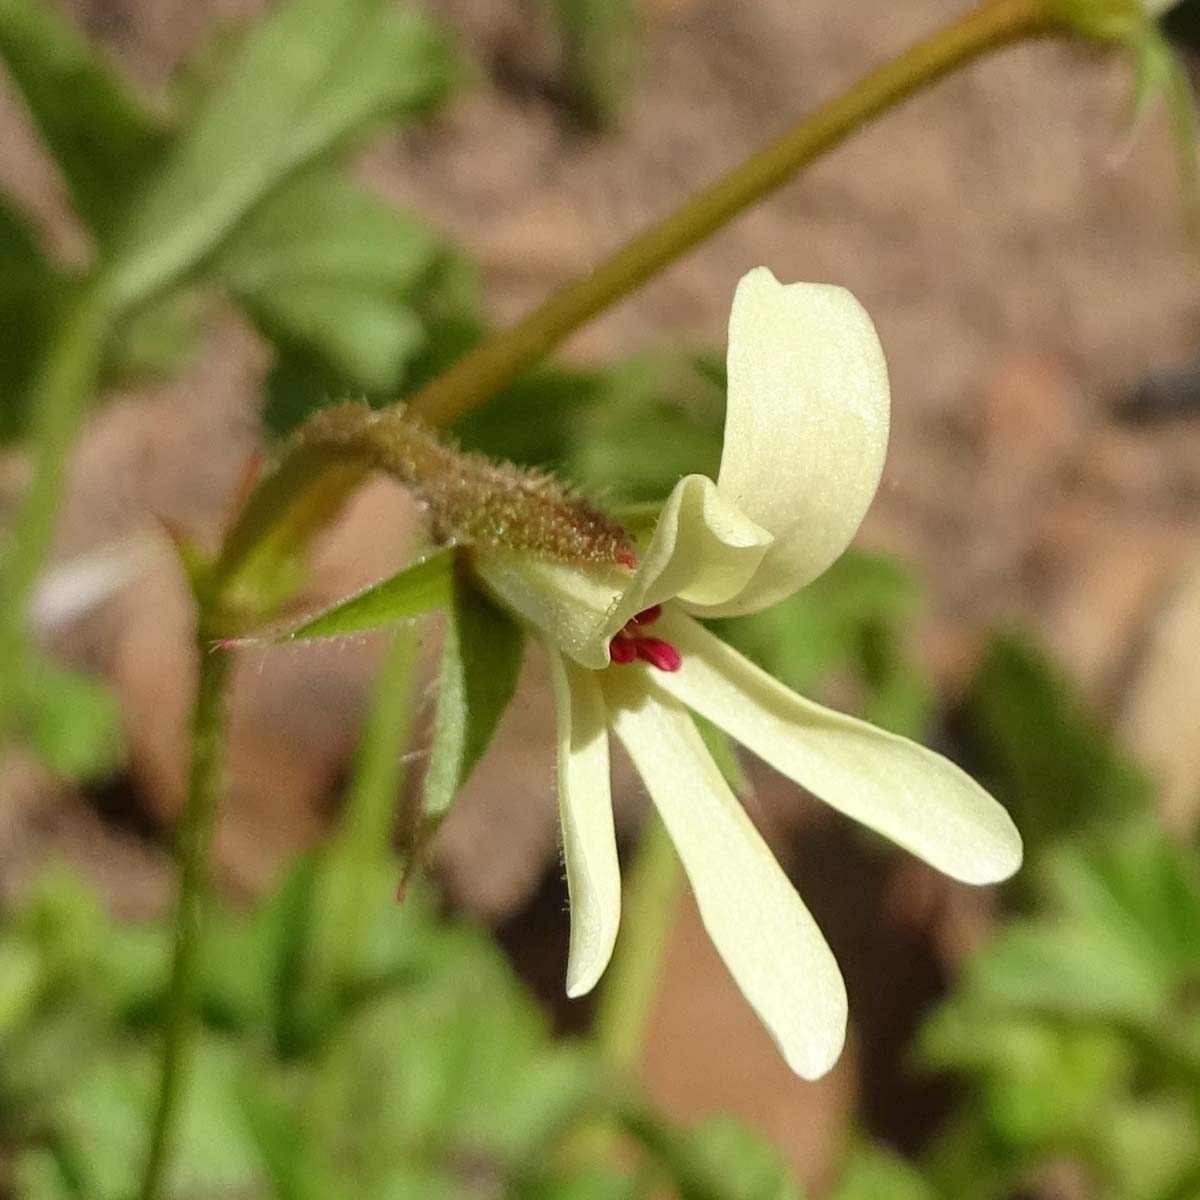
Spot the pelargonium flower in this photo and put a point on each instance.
(805, 435)
(806, 431)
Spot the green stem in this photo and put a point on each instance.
(58, 399)
(504, 357)
(631, 981)
(508, 355)
(364, 841)
(195, 852)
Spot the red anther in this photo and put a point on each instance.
(622, 649)
(648, 615)
(627, 558)
(658, 653)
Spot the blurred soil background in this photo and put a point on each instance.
(1028, 272)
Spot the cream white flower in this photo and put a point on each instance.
(805, 437)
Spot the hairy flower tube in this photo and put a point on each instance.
(805, 437)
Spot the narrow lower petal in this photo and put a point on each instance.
(758, 923)
(917, 798)
(585, 812)
(806, 428)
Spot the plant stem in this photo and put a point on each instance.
(58, 398)
(195, 852)
(631, 981)
(505, 356)
(508, 355)
(364, 841)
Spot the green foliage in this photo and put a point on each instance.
(430, 1074)
(310, 78)
(1032, 742)
(103, 138)
(28, 286)
(872, 1173)
(598, 39)
(1078, 1027)
(481, 660)
(72, 721)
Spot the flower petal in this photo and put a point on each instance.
(806, 428)
(585, 812)
(758, 923)
(916, 798)
(703, 549)
(564, 604)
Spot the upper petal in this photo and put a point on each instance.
(911, 795)
(585, 812)
(704, 549)
(806, 428)
(758, 923)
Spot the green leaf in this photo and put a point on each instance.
(324, 229)
(598, 39)
(72, 721)
(874, 1173)
(1037, 749)
(102, 136)
(1138, 882)
(481, 659)
(325, 266)
(417, 589)
(1071, 969)
(29, 293)
(722, 1160)
(312, 75)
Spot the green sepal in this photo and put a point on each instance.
(419, 588)
(481, 660)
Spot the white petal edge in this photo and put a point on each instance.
(585, 813)
(806, 427)
(759, 925)
(703, 548)
(909, 794)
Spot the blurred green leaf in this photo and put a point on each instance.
(326, 267)
(598, 39)
(310, 77)
(103, 138)
(873, 1173)
(595, 1183)
(481, 659)
(721, 1160)
(417, 589)
(1139, 883)
(72, 721)
(28, 303)
(1036, 748)
(19, 979)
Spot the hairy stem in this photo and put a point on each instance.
(508, 355)
(194, 851)
(631, 981)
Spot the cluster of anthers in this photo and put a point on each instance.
(631, 644)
